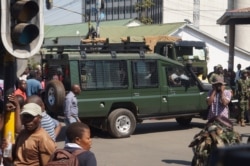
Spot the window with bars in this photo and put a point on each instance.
(103, 74)
(145, 74)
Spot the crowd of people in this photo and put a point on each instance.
(219, 131)
(36, 131)
(219, 97)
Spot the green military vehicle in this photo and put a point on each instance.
(122, 86)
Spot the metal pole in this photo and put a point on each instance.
(9, 84)
(231, 46)
(98, 23)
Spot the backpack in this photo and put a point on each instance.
(62, 157)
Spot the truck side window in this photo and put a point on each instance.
(178, 77)
(103, 74)
(145, 74)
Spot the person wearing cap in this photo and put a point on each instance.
(51, 125)
(218, 99)
(218, 73)
(33, 145)
(243, 92)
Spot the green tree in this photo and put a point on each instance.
(142, 9)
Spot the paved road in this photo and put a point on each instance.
(154, 143)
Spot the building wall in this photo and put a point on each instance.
(209, 12)
(242, 32)
(121, 9)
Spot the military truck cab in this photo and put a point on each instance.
(120, 90)
(185, 52)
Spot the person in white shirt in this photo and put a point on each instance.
(238, 73)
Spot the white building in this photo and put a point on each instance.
(203, 14)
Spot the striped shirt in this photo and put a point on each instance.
(217, 108)
(49, 124)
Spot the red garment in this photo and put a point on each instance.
(20, 92)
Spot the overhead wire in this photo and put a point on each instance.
(206, 12)
(57, 14)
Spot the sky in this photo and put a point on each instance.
(57, 16)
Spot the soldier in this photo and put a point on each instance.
(243, 96)
(216, 74)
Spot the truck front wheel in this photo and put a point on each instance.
(121, 123)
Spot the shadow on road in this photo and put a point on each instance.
(179, 162)
(151, 127)
(159, 126)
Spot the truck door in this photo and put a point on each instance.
(146, 91)
(180, 94)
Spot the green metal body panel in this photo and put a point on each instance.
(143, 102)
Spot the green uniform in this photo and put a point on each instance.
(244, 95)
(214, 77)
(218, 132)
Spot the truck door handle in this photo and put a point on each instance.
(136, 94)
(164, 99)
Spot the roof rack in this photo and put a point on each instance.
(99, 46)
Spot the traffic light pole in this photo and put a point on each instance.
(22, 34)
(9, 84)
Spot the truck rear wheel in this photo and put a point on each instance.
(54, 96)
(121, 123)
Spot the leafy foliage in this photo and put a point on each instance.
(142, 8)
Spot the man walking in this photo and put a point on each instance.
(71, 105)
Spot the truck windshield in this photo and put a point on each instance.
(196, 54)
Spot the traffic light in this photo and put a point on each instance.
(22, 27)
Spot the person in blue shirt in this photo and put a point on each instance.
(34, 86)
(71, 105)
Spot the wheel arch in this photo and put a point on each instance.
(127, 105)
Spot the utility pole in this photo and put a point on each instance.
(196, 13)
(99, 6)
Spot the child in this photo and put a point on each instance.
(78, 135)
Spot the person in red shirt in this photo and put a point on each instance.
(21, 90)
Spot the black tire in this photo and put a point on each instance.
(184, 121)
(54, 96)
(121, 123)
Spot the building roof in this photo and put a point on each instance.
(237, 16)
(52, 31)
(114, 30)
